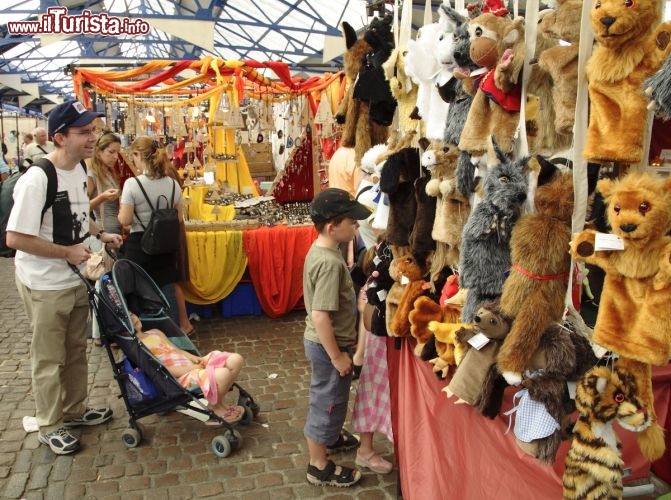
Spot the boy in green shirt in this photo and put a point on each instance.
(330, 333)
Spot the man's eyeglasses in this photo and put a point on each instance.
(94, 132)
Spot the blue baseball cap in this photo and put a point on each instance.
(70, 114)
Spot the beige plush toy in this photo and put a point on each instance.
(561, 61)
(452, 208)
(474, 364)
(403, 89)
(631, 45)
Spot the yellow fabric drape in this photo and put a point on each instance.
(198, 210)
(236, 174)
(217, 261)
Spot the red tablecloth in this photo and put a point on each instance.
(450, 451)
(275, 257)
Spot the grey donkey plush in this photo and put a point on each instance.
(485, 253)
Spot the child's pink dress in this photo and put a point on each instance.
(201, 377)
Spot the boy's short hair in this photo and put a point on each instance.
(334, 203)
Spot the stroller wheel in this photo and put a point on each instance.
(131, 438)
(235, 438)
(248, 417)
(247, 401)
(221, 446)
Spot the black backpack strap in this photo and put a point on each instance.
(146, 197)
(363, 190)
(52, 182)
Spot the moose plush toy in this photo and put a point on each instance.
(497, 44)
(633, 318)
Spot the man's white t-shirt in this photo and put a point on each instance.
(71, 223)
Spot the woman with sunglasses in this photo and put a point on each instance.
(103, 183)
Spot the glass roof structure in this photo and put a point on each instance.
(41, 38)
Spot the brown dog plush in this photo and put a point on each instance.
(631, 46)
(563, 355)
(633, 318)
(497, 44)
(533, 294)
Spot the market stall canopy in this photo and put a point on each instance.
(129, 33)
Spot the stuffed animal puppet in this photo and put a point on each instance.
(467, 383)
(533, 295)
(485, 254)
(593, 465)
(563, 355)
(631, 45)
(409, 284)
(497, 44)
(359, 132)
(633, 318)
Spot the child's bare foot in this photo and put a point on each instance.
(230, 414)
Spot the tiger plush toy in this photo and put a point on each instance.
(593, 466)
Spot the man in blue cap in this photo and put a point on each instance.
(49, 237)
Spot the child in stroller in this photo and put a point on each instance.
(214, 373)
(147, 385)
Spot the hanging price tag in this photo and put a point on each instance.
(478, 341)
(604, 241)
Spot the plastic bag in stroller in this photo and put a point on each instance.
(147, 387)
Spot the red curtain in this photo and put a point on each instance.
(275, 257)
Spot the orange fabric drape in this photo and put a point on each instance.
(275, 257)
(211, 70)
(451, 451)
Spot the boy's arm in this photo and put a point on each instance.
(341, 360)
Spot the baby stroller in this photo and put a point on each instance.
(147, 387)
